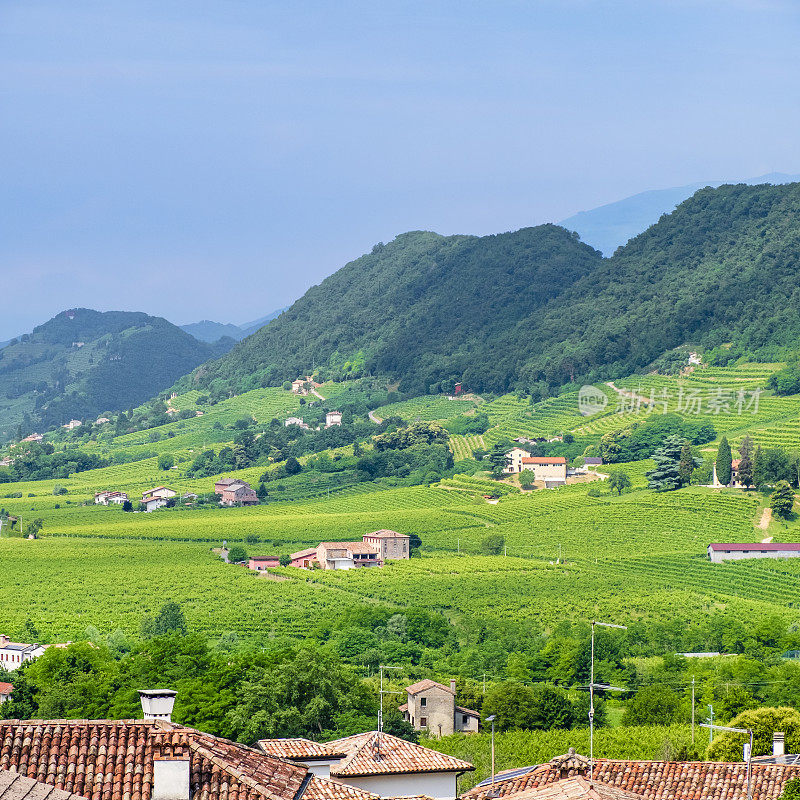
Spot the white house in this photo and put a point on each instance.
(154, 503)
(737, 552)
(106, 497)
(294, 421)
(382, 764)
(159, 491)
(515, 457)
(14, 654)
(333, 418)
(550, 469)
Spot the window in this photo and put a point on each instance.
(423, 701)
(464, 719)
(423, 721)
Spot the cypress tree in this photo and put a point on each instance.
(686, 465)
(759, 467)
(746, 462)
(724, 462)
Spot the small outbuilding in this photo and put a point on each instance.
(737, 552)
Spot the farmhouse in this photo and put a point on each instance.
(14, 654)
(295, 421)
(154, 503)
(149, 759)
(592, 461)
(237, 493)
(5, 691)
(379, 763)
(104, 498)
(390, 545)
(550, 469)
(159, 491)
(736, 552)
(333, 418)
(735, 483)
(305, 559)
(431, 707)
(347, 555)
(260, 563)
(72, 424)
(34, 437)
(569, 776)
(515, 456)
(299, 386)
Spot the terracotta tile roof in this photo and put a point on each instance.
(14, 786)
(545, 460)
(352, 547)
(6, 688)
(113, 760)
(386, 534)
(397, 756)
(575, 788)
(653, 780)
(299, 749)
(309, 551)
(468, 711)
(424, 685)
(329, 789)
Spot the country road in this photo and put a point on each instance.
(375, 418)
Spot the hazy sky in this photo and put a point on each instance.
(215, 159)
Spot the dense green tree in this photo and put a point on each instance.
(763, 722)
(493, 544)
(237, 554)
(782, 500)
(667, 475)
(166, 461)
(618, 481)
(724, 462)
(498, 458)
(759, 467)
(686, 465)
(746, 462)
(653, 705)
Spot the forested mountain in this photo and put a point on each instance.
(539, 307)
(422, 309)
(723, 267)
(84, 362)
(209, 331)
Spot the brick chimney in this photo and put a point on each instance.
(453, 685)
(778, 743)
(157, 704)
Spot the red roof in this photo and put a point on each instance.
(6, 688)
(385, 534)
(545, 460)
(299, 749)
(421, 686)
(309, 551)
(329, 789)
(113, 760)
(757, 546)
(397, 757)
(575, 788)
(653, 780)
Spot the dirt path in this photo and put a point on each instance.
(627, 393)
(766, 517)
(375, 418)
(317, 394)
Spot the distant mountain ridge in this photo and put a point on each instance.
(83, 362)
(610, 226)
(537, 307)
(208, 331)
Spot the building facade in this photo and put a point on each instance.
(431, 707)
(718, 553)
(391, 546)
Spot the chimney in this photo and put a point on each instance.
(778, 743)
(157, 704)
(4, 640)
(453, 685)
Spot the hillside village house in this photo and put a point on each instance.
(72, 424)
(389, 544)
(592, 462)
(735, 482)
(295, 421)
(718, 553)
(261, 563)
(154, 503)
(14, 654)
(515, 456)
(5, 691)
(299, 386)
(552, 470)
(107, 497)
(34, 437)
(379, 763)
(159, 491)
(374, 549)
(235, 492)
(431, 707)
(333, 418)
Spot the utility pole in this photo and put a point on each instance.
(380, 713)
(592, 687)
(710, 723)
(748, 747)
(692, 709)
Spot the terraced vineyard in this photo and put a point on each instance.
(427, 409)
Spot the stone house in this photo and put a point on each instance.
(431, 707)
(239, 493)
(333, 418)
(347, 555)
(391, 546)
(299, 386)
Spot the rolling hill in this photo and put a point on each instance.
(209, 331)
(82, 363)
(538, 306)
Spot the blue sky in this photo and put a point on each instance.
(215, 159)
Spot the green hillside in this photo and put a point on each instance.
(83, 363)
(423, 308)
(536, 307)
